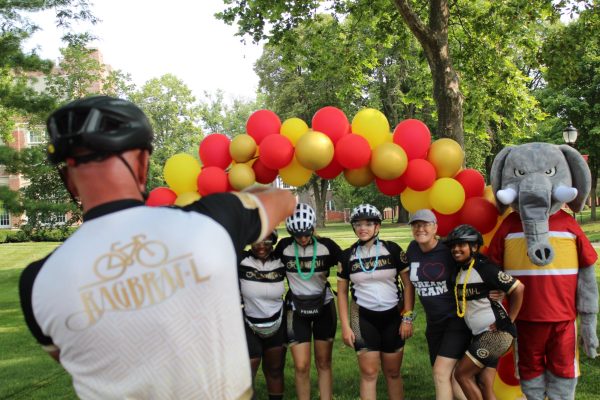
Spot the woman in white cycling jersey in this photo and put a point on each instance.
(311, 313)
(370, 268)
(261, 285)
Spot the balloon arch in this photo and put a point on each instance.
(404, 162)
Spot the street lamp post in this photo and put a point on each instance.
(570, 135)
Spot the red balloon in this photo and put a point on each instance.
(212, 180)
(352, 151)
(480, 213)
(446, 222)
(414, 137)
(391, 187)
(263, 174)
(161, 196)
(331, 171)
(419, 175)
(276, 151)
(261, 124)
(506, 369)
(472, 181)
(214, 151)
(331, 121)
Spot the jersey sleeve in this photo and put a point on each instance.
(585, 251)
(25, 293)
(241, 214)
(334, 251)
(495, 278)
(398, 255)
(344, 261)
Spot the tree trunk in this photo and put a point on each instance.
(434, 40)
(319, 188)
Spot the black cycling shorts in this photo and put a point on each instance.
(303, 329)
(257, 345)
(449, 338)
(376, 330)
(486, 348)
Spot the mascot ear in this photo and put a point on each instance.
(580, 176)
(496, 176)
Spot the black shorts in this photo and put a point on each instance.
(486, 348)
(257, 345)
(303, 329)
(376, 330)
(449, 338)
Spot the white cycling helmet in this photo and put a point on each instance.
(302, 221)
(365, 212)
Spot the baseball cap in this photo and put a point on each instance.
(424, 214)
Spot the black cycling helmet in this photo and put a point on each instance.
(302, 222)
(365, 212)
(464, 234)
(105, 125)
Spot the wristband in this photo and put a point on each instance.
(408, 316)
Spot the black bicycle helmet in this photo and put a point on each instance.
(365, 212)
(464, 234)
(102, 124)
(302, 222)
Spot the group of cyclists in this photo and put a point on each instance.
(467, 328)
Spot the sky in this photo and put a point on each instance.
(150, 38)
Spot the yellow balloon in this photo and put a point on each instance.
(388, 161)
(413, 200)
(446, 196)
(359, 177)
(186, 198)
(181, 173)
(447, 157)
(504, 391)
(372, 125)
(293, 129)
(242, 148)
(294, 174)
(241, 176)
(314, 150)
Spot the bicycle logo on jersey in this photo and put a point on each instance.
(148, 253)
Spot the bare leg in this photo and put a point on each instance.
(486, 383)
(301, 356)
(273, 362)
(465, 373)
(323, 349)
(368, 363)
(443, 379)
(391, 370)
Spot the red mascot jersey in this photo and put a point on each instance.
(550, 291)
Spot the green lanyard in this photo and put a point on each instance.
(312, 263)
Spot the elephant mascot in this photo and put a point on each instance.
(545, 248)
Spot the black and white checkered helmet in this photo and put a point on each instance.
(302, 221)
(365, 212)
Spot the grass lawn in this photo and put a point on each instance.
(26, 372)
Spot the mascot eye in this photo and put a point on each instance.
(519, 172)
(551, 171)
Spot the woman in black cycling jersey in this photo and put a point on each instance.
(311, 312)
(373, 266)
(261, 285)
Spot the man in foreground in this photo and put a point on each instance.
(142, 302)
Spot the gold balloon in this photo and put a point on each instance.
(294, 174)
(241, 176)
(372, 125)
(186, 198)
(359, 177)
(413, 200)
(388, 161)
(314, 150)
(242, 148)
(447, 157)
(447, 196)
(488, 194)
(293, 129)
(181, 173)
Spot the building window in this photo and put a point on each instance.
(54, 219)
(4, 219)
(330, 205)
(35, 136)
(281, 185)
